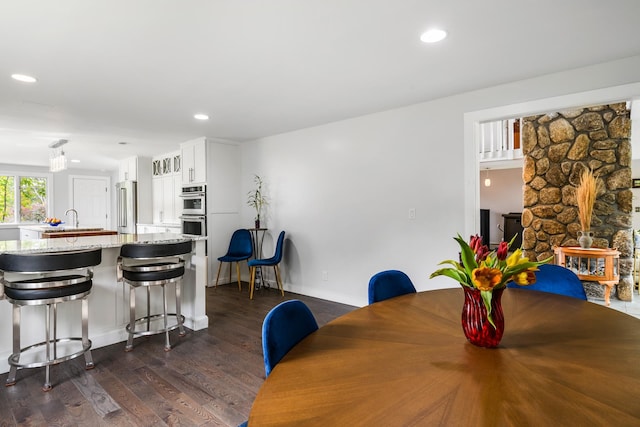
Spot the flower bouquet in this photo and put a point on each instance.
(483, 276)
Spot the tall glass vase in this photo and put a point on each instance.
(585, 238)
(475, 324)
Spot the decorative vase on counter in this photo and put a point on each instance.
(585, 238)
(477, 328)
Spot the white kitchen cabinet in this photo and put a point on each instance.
(128, 169)
(29, 234)
(145, 229)
(166, 187)
(194, 161)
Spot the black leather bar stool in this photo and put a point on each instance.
(48, 279)
(147, 265)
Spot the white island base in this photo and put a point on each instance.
(109, 299)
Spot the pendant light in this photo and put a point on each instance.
(57, 159)
(487, 180)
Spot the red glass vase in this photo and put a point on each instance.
(475, 324)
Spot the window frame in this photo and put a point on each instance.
(17, 175)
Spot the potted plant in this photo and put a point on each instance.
(586, 194)
(256, 199)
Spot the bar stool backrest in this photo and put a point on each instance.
(155, 250)
(47, 262)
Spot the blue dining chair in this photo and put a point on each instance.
(240, 249)
(268, 262)
(388, 284)
(284, 327)
(556, 279)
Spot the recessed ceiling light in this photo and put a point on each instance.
(23, 78)
(75, 161)
(201, 117)
(433, 35)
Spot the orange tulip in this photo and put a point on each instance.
(527, 277)
(485, 278)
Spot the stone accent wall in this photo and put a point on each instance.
(557, 148)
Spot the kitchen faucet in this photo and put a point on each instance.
(73, 211)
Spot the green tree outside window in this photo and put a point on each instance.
(29, 204)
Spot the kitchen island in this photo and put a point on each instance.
(40, 231)
(109, 299)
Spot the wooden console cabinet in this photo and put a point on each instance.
(592, 264)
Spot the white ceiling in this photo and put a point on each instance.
(137, 70)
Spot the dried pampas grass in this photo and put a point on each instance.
(586, 197)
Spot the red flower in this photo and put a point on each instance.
(502, 251)
(481, 251)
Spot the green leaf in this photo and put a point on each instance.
(457, 275)
(486, 298)
(468, 257)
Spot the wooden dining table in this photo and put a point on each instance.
(405, 361)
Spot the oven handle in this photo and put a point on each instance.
(192, 195)
(192, 217)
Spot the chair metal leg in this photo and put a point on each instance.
(238, 275)
(132, 318)
(252, 280)
(276, 270)
(218, 276)
(88, 359)
(11, 379)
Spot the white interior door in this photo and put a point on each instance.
(90, 197)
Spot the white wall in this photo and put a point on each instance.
(343, 191)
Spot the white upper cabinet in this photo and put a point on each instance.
(166, 164)
(166, 187)
(194, 161)
(128, 169)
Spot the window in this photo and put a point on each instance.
(26, 202)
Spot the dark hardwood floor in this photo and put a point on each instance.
(209, 378)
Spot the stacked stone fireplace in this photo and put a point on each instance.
(557, 148)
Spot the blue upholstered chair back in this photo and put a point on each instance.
(277, 256)
(241, 245)
(283, 327)
(389, 284)
(556, 279)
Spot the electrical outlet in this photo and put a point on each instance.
(325, 275)
(412, 213)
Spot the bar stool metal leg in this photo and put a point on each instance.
(179, 309)
(13, 370)
(167, 343)
(148, 308)
(88, 359)
(47, 340)
(132, 318)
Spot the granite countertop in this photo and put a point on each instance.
(77, 243)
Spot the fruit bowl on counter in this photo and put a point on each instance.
(53, 222)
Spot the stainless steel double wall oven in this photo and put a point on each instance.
(194, 210)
